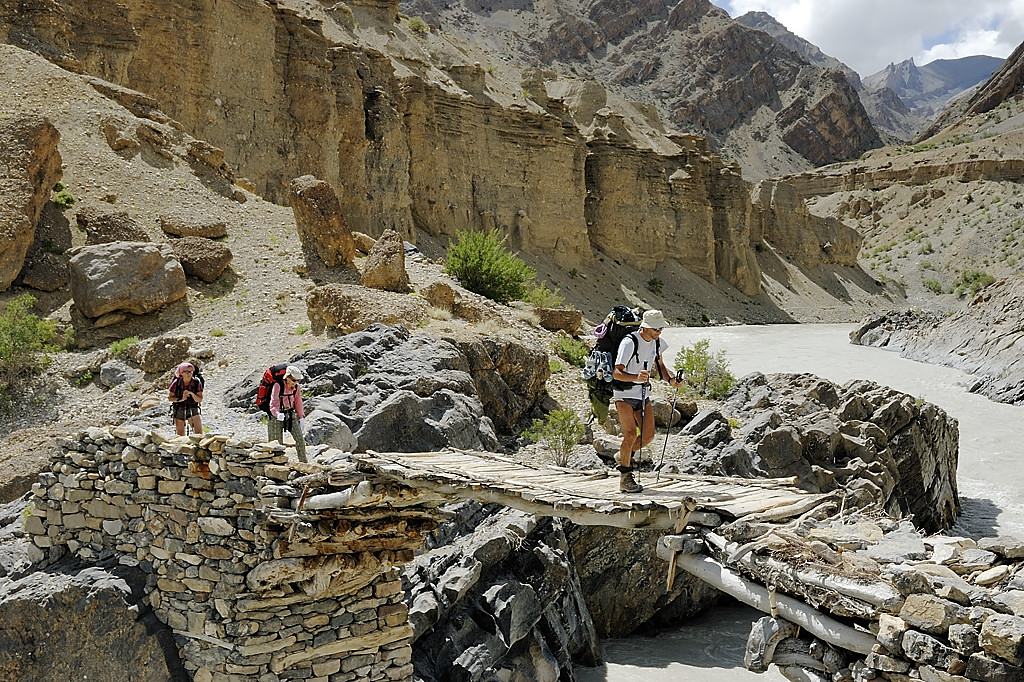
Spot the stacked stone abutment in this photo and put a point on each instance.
(253, 586)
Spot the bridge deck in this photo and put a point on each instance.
(588, 498)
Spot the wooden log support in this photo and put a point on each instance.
(878, 594)
(752, 594)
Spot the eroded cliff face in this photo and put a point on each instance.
(414, 132)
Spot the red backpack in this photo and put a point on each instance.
(273, 375)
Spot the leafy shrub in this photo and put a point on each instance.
(561, 430)
(554, 366)
(217, 332)
(538, 295)
(418, 25)
(707, 373)
(24, 343)
(972, 281)
(63, 197)
(119, 347)
(655, 285)
(572, 350)
(481, 263)
(933, 285)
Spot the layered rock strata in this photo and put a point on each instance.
(409, 141)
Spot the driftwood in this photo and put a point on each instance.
(755, 595)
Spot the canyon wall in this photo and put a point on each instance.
(413, 133)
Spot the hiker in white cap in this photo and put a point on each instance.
(639, 354)
(286, 413)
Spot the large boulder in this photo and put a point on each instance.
(349, 308)
(399, 392)
(30, 165)
(201, 257)
(385, 265)
(73, 623)
(184, 224)
(132, 277)
(320, 222)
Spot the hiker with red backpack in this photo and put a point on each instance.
(285, 409)
(186, 394)
(639, 354)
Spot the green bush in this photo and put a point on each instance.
(481, 263)
(655, 285)
(572, 350)
(24, 345)
(972, 281)
(561, 430)
(707, 373)
(119, 347)
(63, 197)
(933, 285)
(539, 296)
(418, 25)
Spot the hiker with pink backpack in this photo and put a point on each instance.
(280, 396)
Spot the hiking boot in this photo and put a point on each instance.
(628, 484)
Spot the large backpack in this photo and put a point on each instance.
(620, 322)
(273, 375)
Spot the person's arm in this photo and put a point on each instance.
(170, 393)
(299, 411)
(622, 356)
(275, 402)
(198, 397)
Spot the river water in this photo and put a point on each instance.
(990, 480)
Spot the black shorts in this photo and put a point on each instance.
(184, 412)
(635, 403)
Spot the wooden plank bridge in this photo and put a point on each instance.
(589, 497)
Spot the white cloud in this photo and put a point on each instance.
(869, 34)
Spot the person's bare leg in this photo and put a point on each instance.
(627, 423)
(179, 426)
(197, 423)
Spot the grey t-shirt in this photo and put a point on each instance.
(645, 353)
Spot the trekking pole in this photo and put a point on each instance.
(671, 413)
(643, 414)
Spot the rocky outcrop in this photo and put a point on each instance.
(498, 597)
(132, 277)
(980, 338)
(29, 168)
(623, 581)
(399, 392)
(875, 444)
(74, 621)
(320, 221)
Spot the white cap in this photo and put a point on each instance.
(293, 372)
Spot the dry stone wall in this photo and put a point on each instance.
(248, 595)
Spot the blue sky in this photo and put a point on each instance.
(869, 34)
